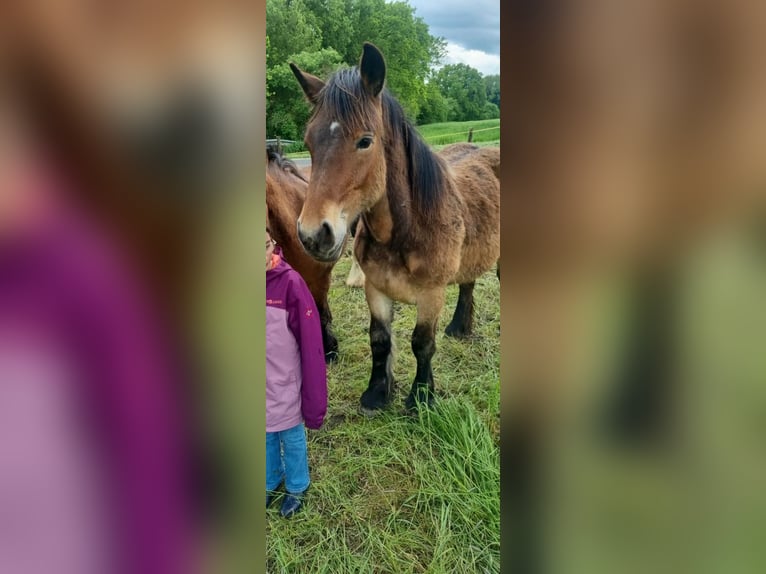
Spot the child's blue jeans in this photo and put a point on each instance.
(287, 458)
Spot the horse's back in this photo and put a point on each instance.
(456, 155)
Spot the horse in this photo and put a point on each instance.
(286, 186)
(425, 220)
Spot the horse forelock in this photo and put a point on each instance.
(344, 100)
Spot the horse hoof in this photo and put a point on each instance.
(423, 397)
(373, 401)
(369, 413)
(456, 332)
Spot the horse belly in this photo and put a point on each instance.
(384, 271)
(394, 283)
(475, 264)
(481, 244)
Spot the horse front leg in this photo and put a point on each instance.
(380, 389)
(329, 341)
(319, 289)
(424, 347)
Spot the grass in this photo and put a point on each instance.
(400, 493)
(484, 131)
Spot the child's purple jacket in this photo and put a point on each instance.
(81, 344)
(296, 375)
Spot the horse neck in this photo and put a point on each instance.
(285, 203)
(391, 220)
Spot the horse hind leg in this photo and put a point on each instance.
(461, 325)
(381, 386)
(355, 275)
(424, 347)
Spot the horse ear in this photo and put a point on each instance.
(311, 84)
(372, 67)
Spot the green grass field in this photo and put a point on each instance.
(400, 493)
(484, 131)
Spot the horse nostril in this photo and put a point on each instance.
(326, 236)
(306, 240)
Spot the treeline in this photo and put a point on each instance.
(322, 35)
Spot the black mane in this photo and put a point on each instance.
(285, 164)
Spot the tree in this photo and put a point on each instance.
(490, 111)
(287, 110)
(435, 107)
(407, 45)
(335, 18)
(492, 84)
(291, 28)
(465, 86)
(297, 27)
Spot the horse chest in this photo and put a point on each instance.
(400, 278)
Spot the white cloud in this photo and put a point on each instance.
(487, 64)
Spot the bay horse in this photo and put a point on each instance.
(286, 186)
(426, 220)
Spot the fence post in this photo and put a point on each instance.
(470, 135)
(279, 145)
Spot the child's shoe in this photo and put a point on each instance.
(291, 504)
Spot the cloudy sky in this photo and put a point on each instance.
(471, 28)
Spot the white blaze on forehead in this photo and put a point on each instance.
(334, 126)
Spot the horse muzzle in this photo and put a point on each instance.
(322, 243)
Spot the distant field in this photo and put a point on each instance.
(484, 131)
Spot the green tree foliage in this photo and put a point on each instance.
(291, 28)
(435, 107)
(490, 111)
(492, 84)
(321, 35)
(465, 86)
(287, 110)
(410, 50)
(337, 22)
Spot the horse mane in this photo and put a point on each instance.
(287, 165)
(347, 100)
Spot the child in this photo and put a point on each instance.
(296, 379)
(92, 456)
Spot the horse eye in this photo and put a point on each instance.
(364, 143)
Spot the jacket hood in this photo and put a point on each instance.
(281, 265)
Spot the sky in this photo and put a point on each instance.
(470, 27)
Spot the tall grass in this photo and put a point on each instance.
(400, 493)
